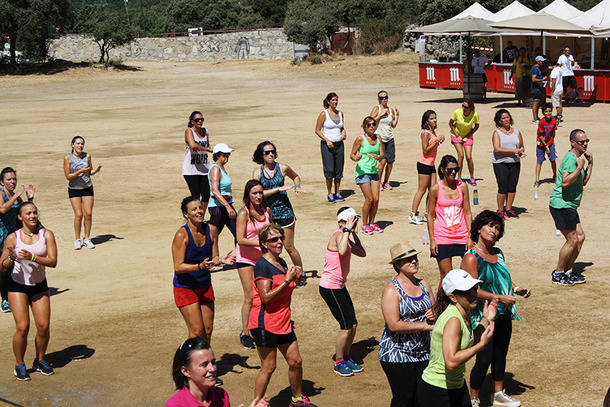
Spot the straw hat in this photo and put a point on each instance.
(402, 250)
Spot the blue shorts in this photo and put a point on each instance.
(541, 151)
(367, 178)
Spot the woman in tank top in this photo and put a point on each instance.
(426, 173)
(406, 304)
(195, 165)
(508, 150)
(220, 207)
(272, 175)
(367, 151)
(449, 216)
(331, 130)
(250, 220)
(78, 169)
(387, 119)
(29, 251)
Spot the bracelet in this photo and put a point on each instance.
(297, 186)
(516, 288)
(33, 257)
(11, 258)
(286, 282)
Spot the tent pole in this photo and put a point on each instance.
(501, 51)
(592, 52)
(461, 47)
(543, 44)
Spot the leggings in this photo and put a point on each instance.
(494, 353)
(403, 378)
(4, 277)
(199, 186)
(432, 396)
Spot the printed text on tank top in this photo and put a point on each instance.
(199, 157)
(452, 215)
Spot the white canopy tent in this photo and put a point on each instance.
(513, 10)
(476, 11)
(597, 19)
(562, 9)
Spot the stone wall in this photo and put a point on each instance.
(258, 44)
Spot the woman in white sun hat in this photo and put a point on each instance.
(220, 207)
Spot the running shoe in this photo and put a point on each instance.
(6, 307)
(386, 185)
(219, 382)
(247, 341)
(343, 369)
(424, 218)
(475, 403)
(512, 214)
(355, 367)
(503, 399)
(576, 278)
(536, 184)
(303, 402)
(375, 227)
(503, 214)
(535, 121)
(339, 198)
(88, 243)
(331, 198)
(43, 367)
(366, 229)
(21, 373)
(77, 244)
(561, 279)
(413, 218)
(380, 187)
(473, 182)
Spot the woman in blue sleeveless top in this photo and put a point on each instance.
(272, 174)
(194, 254)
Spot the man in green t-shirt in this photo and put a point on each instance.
(565, 200)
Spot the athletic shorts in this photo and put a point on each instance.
(266, 339)
(389, 150)
(199, 186)
(507, 177)
(241, 265)
(565, 218)
(425, 169)
(467, 141)
(367, 178)
(541, 151)
(450, 250)
(332, 159)
(188, 296)
(285, 222)
(75, 193)
(556, 99)
(429, 395)
(341, 306)
(538, 94)
(29, 290)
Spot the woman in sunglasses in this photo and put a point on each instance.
(270, 320)
(406, 304)
(220, 207)
(195, 165)
(454, 342)
(194, 373)
(367, 151)
(486, 263)
(272, 176)
(387, 119)
(449, 215)
(464, 122)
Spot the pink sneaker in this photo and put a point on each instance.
(387, 186)
(367, 229)
(375, 227)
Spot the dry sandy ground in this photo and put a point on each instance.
(114, 324)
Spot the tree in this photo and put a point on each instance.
(310, 22)
(108, 28)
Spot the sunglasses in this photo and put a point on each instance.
(466, 107)
(452, 169)
(411, 259)
(275, 239)
(372, 124)
(382, 97)
(198, 120)
(581, 142)
(267, 152)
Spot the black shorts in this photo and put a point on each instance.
(538, 94)
(507, 177)
(266, 339)
(569, 82)
(425, 169)
(240, 265)
(565, 218)
(389, 150)
(341, 306)
(450, 250)
(76, 193)
(199, 186)
(29, 290)
(432, 396)
(285, 222)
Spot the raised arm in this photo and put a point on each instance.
(451, 340)
(264, 285)
(568, 178)
(90, 161)
(395, 118)
(5, 206)
(290, 173)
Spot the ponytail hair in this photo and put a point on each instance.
(441, 304)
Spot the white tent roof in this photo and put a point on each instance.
(513, 10)
(596, 18)
(562, 9)
(476, 11)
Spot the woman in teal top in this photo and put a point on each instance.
(486, 262)
(453, 341)
(367, 151)
(220, 207)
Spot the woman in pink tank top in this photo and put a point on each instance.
(450, 216)
(29, 250)
(250, 220)
(426, 173)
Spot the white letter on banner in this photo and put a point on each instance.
(589, 83)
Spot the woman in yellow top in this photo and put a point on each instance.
(520, 71)
(464, 123)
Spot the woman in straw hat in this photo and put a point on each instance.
(406, 303)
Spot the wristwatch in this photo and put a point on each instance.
(345, 230)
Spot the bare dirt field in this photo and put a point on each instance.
(114, 325)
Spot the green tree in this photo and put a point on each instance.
(311, 22)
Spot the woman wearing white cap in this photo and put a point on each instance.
(332, 286)
(404, 347)
(453, 341)
(220, 207)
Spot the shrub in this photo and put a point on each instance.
(381, 36)
(315, 59)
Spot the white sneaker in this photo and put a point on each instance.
(424, 218)
(503, 399)
(77, 244)
(88, 243)
(475, 403)
(414, 219)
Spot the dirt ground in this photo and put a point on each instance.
(114, 323)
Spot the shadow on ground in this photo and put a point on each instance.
(580, 266)
(75, 352)
(100, 239)
(56, 66)
(513, 388)
(228, 361)
(4, 402)
(56, 291)
(490, 99)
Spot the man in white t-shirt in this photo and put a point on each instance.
(479, 62)
(566, 62)
(557, 90)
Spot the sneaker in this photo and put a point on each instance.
(535, 121)
(512, 214)
(366, 229)
(414, 219)
(247, 341)
(424, 218)
(6, 307)
(380, 187)
(339, 198)
(88, 243)
(331, 198)
(43, 367)
(375, 227)
(304, 402)
(21, 373)
(576, 278)
(475, 403)
(503, 214)
(536, 184)
(219, 382)
(356, 368)
(386, 185)
(77, 244)
(503, 399)
(561, 279)
(343, 369)
(473, 182)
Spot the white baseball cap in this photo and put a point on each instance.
(460, 280)
(222, 148)
(540, 58)
(346, 214)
